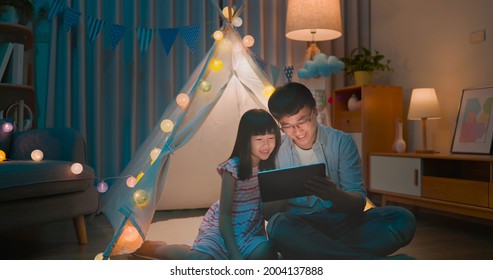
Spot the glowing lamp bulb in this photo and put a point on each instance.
(3, 156)
(182, 100)
(7, 127)
(131, 181)
(154, 153)
(37, 155)
(216, 64)
(141, 198)
(130, 234)
(102, 187)
(205, 86)
(269, 90)
(237, 21)
(76, 168)
(167, 125)
(218, 35)
(226, 12)
(248, 41)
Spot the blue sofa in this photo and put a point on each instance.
(36, 192)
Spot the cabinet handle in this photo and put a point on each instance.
(416, 177)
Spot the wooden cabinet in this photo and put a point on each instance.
(21, 89)
(373, 125)
(461, 184)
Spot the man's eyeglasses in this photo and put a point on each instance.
(303, 123)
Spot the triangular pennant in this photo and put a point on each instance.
(56, 7)
(275, 74)
(288, 71)
(116, 31)
(70, 18)
(144, 35)
(261, 63)
(190, 34)
(168, 36)
(94, 26)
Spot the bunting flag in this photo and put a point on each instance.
(288, 71)
(56, 7)
(116, 31)
(168, 36)
(70, 18)
(144, 35)
(94, 26)
(190, 34)
(261, 62)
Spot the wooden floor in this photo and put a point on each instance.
(438, 236)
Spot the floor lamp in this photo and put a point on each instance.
(424, 106)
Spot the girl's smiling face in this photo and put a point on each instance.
(262, 147)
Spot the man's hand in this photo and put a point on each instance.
(321, 187)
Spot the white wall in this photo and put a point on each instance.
(428, 43)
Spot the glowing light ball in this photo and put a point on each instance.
(167, 125)
(225, 45)
(205, 86)
(102, 187)
(7, 127)
(76, 168)
(130, 234)
(226, 12)
(237, 21)
(216, 64)
(182, 100)
(269, 90)
(154, 153)
(3, 156)
(248, 41)
(37, 155)
(139, 176)
(141, 198)
(218, 35)
(131, 182)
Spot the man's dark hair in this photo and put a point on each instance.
(289, 99)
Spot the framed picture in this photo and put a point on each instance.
(474, 128)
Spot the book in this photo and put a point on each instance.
(5, 54)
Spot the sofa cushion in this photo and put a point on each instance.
(22, 179)
(5, 137)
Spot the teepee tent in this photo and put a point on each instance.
(176, 165)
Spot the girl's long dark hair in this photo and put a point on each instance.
(254, 122)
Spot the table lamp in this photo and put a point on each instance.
(424, 106)
(313, 20)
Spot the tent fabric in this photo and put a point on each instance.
(184, 175)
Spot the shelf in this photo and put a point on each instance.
(16, 33)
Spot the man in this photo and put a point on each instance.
(330, 223)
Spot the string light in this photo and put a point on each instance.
(37, 155)
(167, 125)
(218, 35)
(141, 198)
(7, 127)
(131, 181)
(102, 187)
(3, 156)
(216, 64)
(205, 86)
(248, 41)
(76, 168)
(268, 90)
(182, 100)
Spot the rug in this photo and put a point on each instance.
(175, 231)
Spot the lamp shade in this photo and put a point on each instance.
(424, 104)
(313, 20)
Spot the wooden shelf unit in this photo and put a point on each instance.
(373, 126)
(12, 93)
(455, 183)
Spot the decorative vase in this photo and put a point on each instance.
(8, 14)
(399, 143)
(362, 78)
(353, 103)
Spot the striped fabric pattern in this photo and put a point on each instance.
(248, 221)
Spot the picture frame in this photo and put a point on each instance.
(474, 126)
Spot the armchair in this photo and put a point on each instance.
(35, 192)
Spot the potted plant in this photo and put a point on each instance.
(24, 10)
(362, 63)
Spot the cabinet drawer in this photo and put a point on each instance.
(455, 190)
(348, 121)
(395, 174)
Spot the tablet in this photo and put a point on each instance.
(287, 183)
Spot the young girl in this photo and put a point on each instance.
(233, 227)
